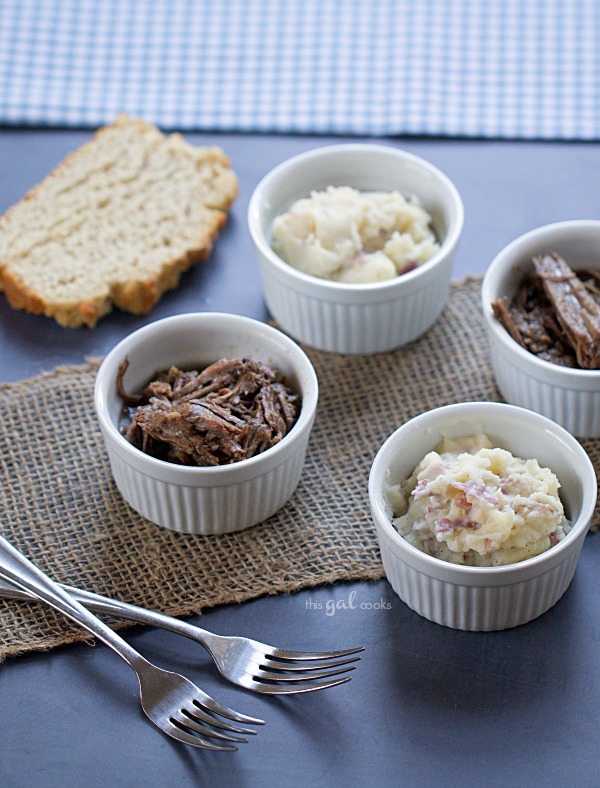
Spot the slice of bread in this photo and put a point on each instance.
(116, 222)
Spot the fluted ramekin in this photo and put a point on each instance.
(570, 397)
(356, 318)
(483, 598)
(200, 500)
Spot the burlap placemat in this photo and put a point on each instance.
(61, 508)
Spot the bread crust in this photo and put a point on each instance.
(137, 294)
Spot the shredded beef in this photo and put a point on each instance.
(228, 412)
(577, 310)
(555, 314)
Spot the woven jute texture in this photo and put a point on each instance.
(60, 507)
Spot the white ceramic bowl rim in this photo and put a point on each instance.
(508, 256)
(449, 242)
(217, 472)
(587, 509)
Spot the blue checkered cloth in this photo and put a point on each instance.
(462, 68)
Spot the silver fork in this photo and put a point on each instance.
(245, 662)
(174, 704)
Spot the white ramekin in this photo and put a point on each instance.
(571, 397)
(483, 598)
(218, 499)
(356, 318)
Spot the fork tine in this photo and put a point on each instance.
(295, 689)
(306, 667)
(199, 714)
(325, 674)
(203, 700)
(195, 741)
(187, 720)
(310, 655)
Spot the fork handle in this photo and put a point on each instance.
(105, 604)
(17, 569)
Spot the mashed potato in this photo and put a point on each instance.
(353, 236)
(480, 506)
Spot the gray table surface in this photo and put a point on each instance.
(427, 705)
